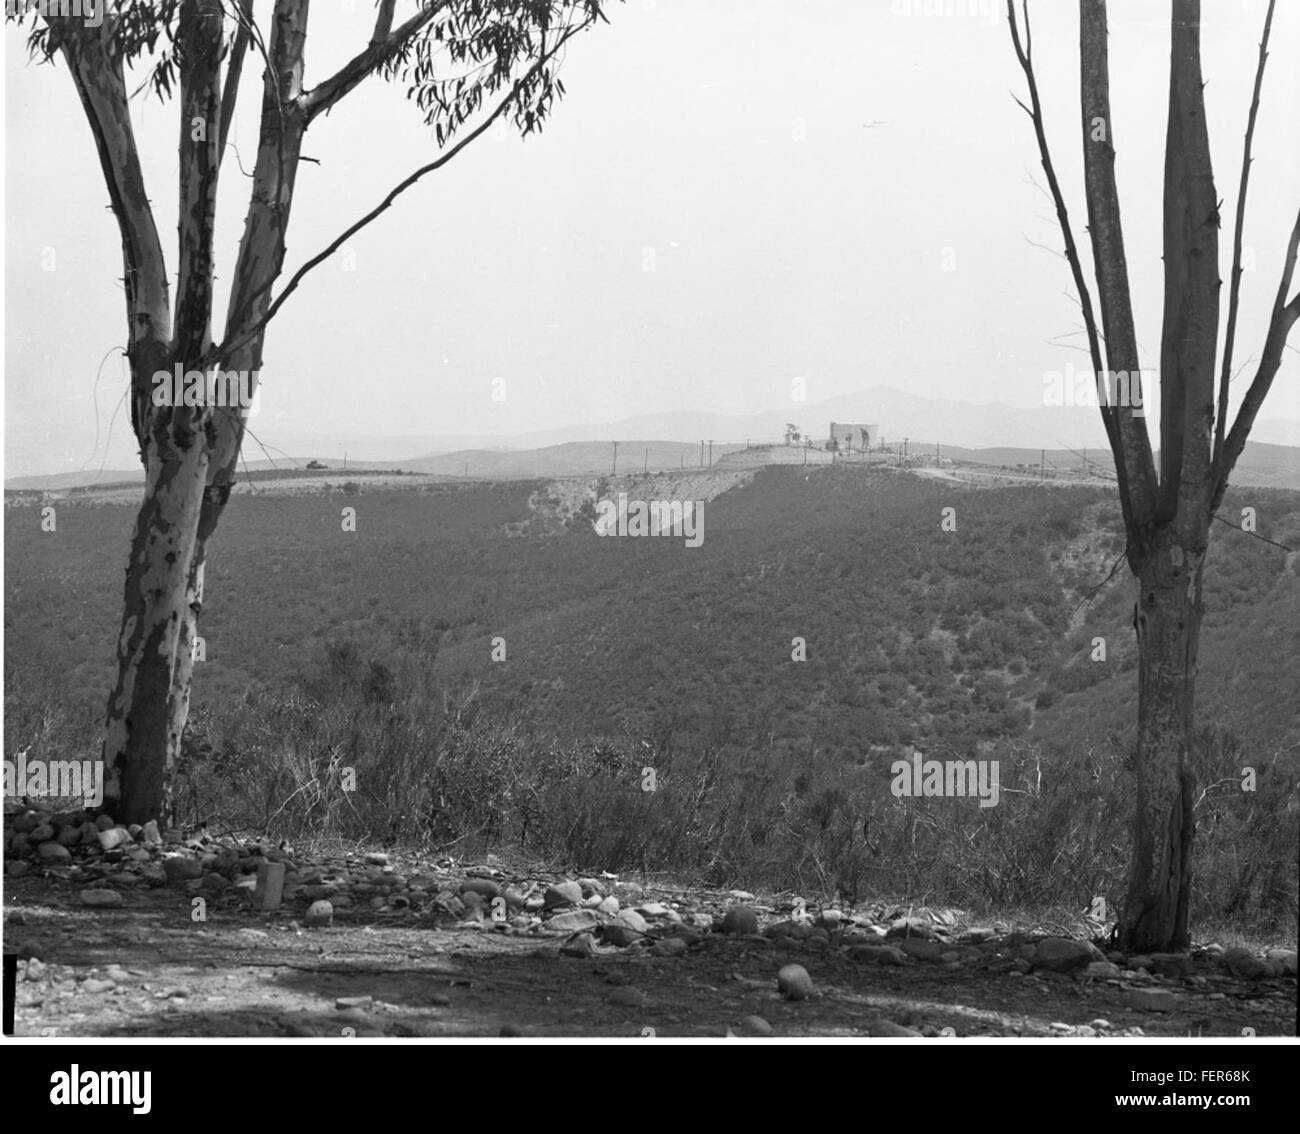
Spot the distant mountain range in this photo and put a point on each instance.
(673, 439)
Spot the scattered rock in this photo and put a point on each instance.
(1285, 959)
(754, 1026)
(363, 1002)
(573, 921)
(627, 997)
(102, 899)
(1064, 954)
(1102, 970)
(483, 887)
(561, 894)
(740, 919)
(94, 986)
(35, 968)
(742, 896)
(1171, 964)
(376, 858)
(1151, 999)
(1244, 964)
(878, 955)
(794, 982)
(669, 947)
(104, 822)
(54, 853)
(922, 949)
(320, 913)
(181, 868)
(910, 927)
(580, 945)
(150, 835)
(17, 868)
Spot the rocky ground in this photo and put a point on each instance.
(139, 932)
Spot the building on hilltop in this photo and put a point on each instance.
(851, 436)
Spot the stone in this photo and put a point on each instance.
(268, 891)
(1151, 999)
(653, 909)
(320, 914)
(1139, 961)
(182, 868)
(794, 982)
(1102, 970)
(878, 955)
(1171, 964)
(70, 836)
(608, 906)
(150, 835)
(365, 1003)
(17, 867)
(739, 919)
(922, 949)
(25, 823)
(54, 853)
(42, 833)
(830, 919)
(582, 945)
(1284, 959)
(910, 927)
(789, 930)
(102, 899)
(561, 894)
(483, 887)
(35, 968)
(104, 822)
(619, 936)
(1244, 964)
(110, 838)
(669, 947)
(1063, 954)
(592, 886)
(754, 1027)
(95, 986)
(573, 921)
(633, 920)
(627, 997)
(980, 934)
(215, 883)
(376, 858)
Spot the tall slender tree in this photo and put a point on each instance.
(1167, 511)
(464, 63)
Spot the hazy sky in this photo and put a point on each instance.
(734, 193)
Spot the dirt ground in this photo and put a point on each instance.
(148, 969)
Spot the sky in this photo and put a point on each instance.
(734, 194)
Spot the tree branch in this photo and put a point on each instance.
(198, 39)
(230, 96)
(1279, 327)
(224, 351)
(382, 47)
(1134, 464)
(1234, 287)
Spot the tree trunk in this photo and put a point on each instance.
(1167, 619)
(149, 704)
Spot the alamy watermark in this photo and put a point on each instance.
(1097, 388)
(949, 778)
(54, 779)
(651, 518)
(224, 388)
(91, 12)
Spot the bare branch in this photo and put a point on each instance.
(1134, 464)
(1279, 327)
(224, 351)
(1234, 287)
(230, 96)
(382, 47)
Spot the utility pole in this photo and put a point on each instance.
(904, 450)
(615, 458)
(701, 454)
(1042, 465)
(646, 468)
(710, 454)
